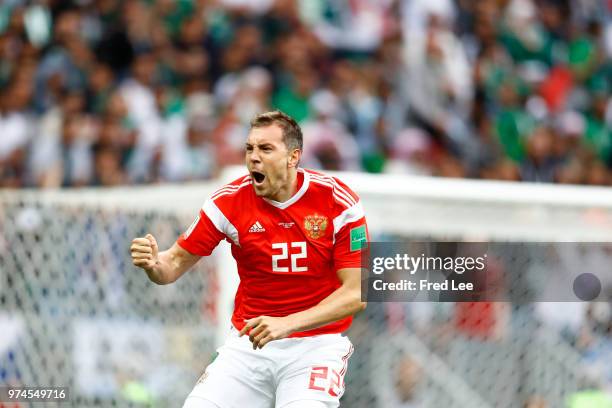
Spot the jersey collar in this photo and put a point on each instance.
(296, 196)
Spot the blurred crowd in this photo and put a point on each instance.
(109, 92)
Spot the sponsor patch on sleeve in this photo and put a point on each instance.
(358, 238)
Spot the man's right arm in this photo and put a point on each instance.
(200, 239)
(161, 267)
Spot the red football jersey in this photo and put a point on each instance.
(287, 253)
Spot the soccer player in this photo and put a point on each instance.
(297, 237)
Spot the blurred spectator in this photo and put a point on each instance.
(595, 342)
(16, 132)
(188, 150)
(73, 162)
(327, 143)
(412, 153)
(535, 402)
(107, 166)
(509, 90)
(438, 80)
(357, 25)
(417, 13)
(408, 385)
(540, 161)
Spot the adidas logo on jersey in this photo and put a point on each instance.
(257, 227)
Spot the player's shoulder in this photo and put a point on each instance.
(333, 188)
(232, 190)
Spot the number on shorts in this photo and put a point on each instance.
(321, 381)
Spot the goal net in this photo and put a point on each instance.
(74, 311)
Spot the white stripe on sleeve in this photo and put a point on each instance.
(349, 215)
(220, 221)
(191, 227)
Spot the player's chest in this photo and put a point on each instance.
(314, 227)
(290, 240)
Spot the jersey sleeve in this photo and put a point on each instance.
(350, 237)
(207, 230)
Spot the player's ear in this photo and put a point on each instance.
(294, 158)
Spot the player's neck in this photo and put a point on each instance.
(289, 189)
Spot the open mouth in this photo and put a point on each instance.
(258, 177)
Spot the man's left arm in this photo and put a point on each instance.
(343, 302)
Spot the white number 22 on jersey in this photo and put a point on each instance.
(284, 254)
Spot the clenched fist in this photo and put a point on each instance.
(144, 252)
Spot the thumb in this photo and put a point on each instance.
(153, 242)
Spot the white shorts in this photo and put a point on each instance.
(284, 371)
